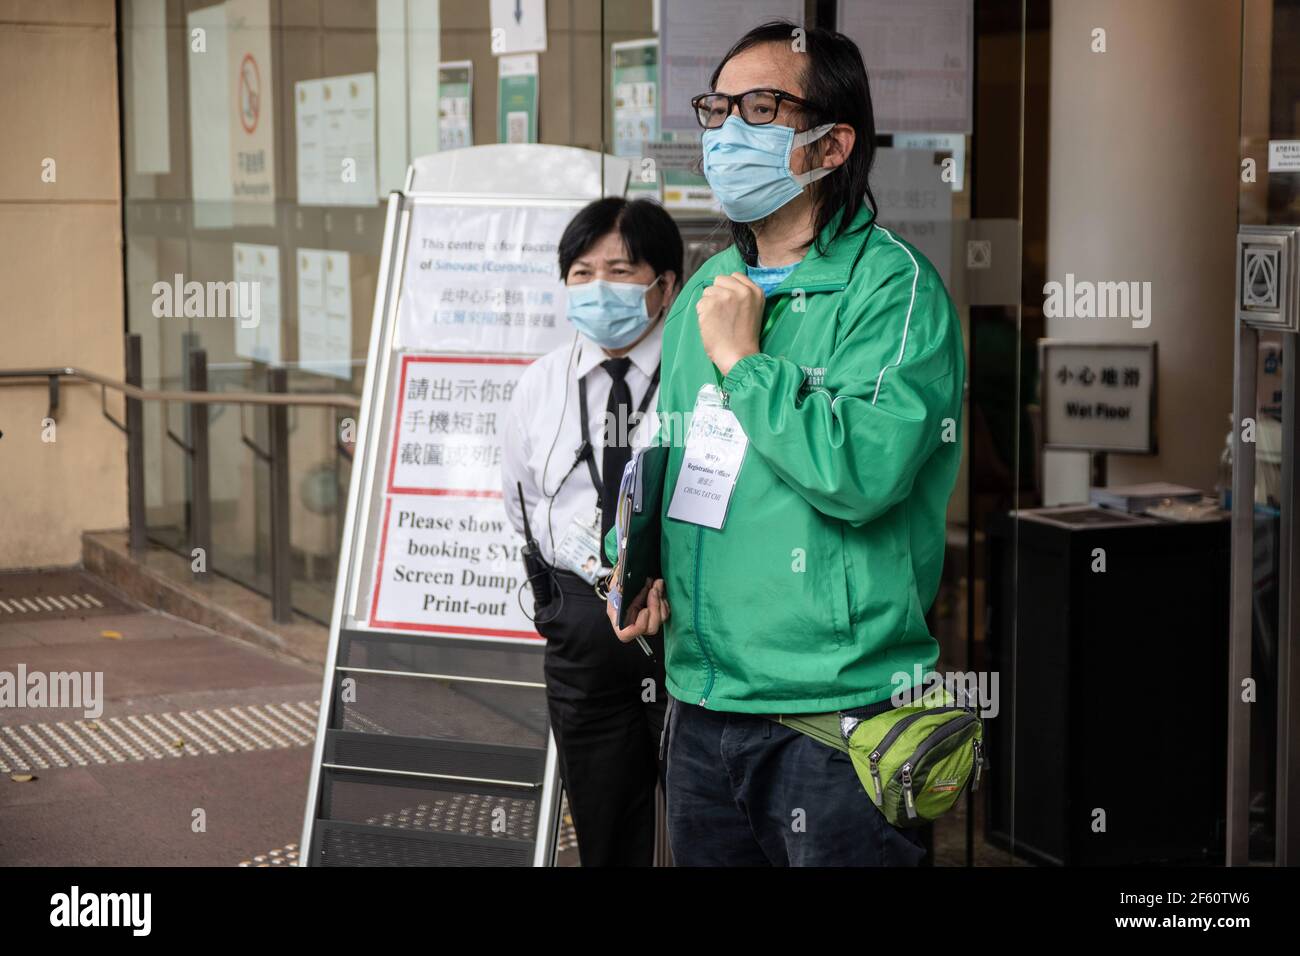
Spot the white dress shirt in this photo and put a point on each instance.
(543, 433)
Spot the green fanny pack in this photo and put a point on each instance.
(914, 761)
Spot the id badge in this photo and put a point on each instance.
(715, 449)
(579, 550)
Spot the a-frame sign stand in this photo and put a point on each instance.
(433, 746)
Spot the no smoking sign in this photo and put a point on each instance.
(250, 93)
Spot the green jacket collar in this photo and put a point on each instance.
(818, 271)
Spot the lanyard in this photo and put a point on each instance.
(585, 452)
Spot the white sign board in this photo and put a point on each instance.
(518, 26)
(920, 61)
(1284, 156)
(325, 312)
(252, 129)
(232, 123)
(211, 108)
(257, 268)
(484, 279)
(954, 143)
(1098, 396)
(146, 37)
(915, 203)
(449, 561)
(455, 104)
(335, 122)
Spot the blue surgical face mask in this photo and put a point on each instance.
(611, 314)
(748, 167)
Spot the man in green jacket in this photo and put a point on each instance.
(821, 362)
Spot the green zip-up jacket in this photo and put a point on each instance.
(812, 596)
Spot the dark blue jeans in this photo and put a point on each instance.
(744, 790)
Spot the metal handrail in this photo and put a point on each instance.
(277, 401)
(317, 399)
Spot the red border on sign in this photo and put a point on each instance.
(449, 629)
(397, 423)
(437, 628)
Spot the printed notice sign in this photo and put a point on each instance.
(257, 269)
(915, 203)
(920, 61)
(335, 122)
(252, 127)
(1098, 396)
(1284, 156)
(455, 98)
(517, 98)
(450, 415)
(325, 312)
(484, 279)
(449, 560)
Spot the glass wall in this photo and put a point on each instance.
(261, 138)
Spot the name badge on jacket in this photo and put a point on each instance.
(715, 449)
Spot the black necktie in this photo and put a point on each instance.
(616, 453)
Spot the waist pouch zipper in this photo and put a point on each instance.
(904, 774)
(887, 741)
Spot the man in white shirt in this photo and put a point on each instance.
(577, 415)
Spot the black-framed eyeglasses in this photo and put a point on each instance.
(757, 107)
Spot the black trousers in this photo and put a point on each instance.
(606, 702)
(744, 790)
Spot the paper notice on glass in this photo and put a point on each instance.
(920, 61)
(915, 203)
(517, 98)
(211, 106)
(634, 69)
(1284, 156)
(694, 35)
(252, 117)
(257, 280)
(146, 39)
(455, 99)
(634, 81)
(952, 172)
(325, 312)
(518, 26)
(424, 52)
(449, 560)
(484, 279)
(335, 123)
(308, 134)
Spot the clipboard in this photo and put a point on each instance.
(637, 527)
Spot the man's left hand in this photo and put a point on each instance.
(730, 311)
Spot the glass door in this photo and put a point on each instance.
(1263, 803)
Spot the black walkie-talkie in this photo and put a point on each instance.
(535, 566)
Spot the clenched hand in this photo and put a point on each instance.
(730, 312)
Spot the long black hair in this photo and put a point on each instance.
(834, 81)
